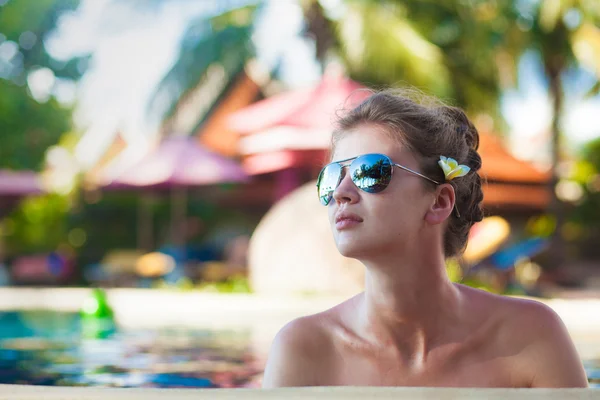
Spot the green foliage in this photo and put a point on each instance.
(232, 285)
(454, 270)
(40, 18)
(381, 46)
(478, 284)
(541, 225)
(108, 224)
(29, 127)
(39, 225)
(591, 154)
(236, 284)
(457, 275)
(587, 174)
(447, 48)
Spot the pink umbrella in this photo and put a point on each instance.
(281, 130)
(179, 162)
(176, 164)
(14, 185)
(313, 108)
(19, 183)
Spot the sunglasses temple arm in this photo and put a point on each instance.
(429, 179)
(416, 173)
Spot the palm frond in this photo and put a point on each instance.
(207, 45)
(380, 46)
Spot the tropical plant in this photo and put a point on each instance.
(31, 122)
(565, 33)
(214, 49)
(464, 51)
(467, 51)
(584, 220)
(446, 48)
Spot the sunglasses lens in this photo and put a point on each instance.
(371, 172)
(329, 178)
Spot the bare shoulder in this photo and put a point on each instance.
(548, 350)
(531, 316)
(536, 335)
(296, 351)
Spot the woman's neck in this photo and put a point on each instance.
(409, 303)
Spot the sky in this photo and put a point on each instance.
(132, 50)
(528, 111)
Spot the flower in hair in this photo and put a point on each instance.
(452, 169)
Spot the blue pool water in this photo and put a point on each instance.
(49, 348)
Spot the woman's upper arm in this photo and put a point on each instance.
(290, 361)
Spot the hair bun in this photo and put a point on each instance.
(464, 127)
(471, 136)
(474, 160)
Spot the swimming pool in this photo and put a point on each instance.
(170, 338)
(49, 348)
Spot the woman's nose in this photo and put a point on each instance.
(346, 192)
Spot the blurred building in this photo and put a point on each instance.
(283, 142)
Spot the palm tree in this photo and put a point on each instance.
(381, 43)
(567, 37)
(214, 50)
(445, 48)
(441, 47)
(465, 51)
(468, 51)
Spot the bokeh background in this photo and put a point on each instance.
(172, 146)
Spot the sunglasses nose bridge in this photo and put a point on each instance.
(346, 190)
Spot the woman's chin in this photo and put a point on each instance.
(351, 249)
(363, 247)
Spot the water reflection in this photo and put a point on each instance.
(45, 348)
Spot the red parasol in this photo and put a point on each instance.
(280, 127)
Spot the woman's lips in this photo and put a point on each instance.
(346, 224)
(345, 220)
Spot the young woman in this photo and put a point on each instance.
(402, 192)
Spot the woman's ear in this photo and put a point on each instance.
(443, 205)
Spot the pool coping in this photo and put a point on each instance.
(261, 317)
(150, 308)
(157, 307)
(19, 392)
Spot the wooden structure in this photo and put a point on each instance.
(283, 142)
(512, 184)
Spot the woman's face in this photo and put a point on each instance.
(390, 220)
